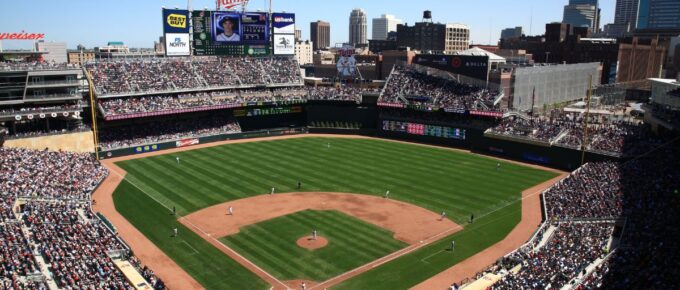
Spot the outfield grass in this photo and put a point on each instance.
(437, 179)
(208, 265)
(351, 243)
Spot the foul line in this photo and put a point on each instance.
(390, 257)
(199, 229)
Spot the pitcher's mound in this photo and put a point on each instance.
(307, 242)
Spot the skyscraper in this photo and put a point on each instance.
(653, 14)
(626, 12)
(582, 13)
(358, 27)
(320, 34)
(383, 25)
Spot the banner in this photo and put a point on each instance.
(186, 142)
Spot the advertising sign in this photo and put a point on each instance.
(283, 23)
(175, 21)
(284, 44)
(177, 44)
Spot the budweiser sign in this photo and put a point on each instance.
(230, 4)
(21, 35)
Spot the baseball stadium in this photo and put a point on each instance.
(233, 166)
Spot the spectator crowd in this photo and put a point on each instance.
(408, 86)
(605, 134)
(639, 197)
(171, 74)
(168, 130)
(46, 213)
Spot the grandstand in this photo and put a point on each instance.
(604, 226)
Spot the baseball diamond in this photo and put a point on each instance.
(236, 155)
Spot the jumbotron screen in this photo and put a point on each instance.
(424, 129)
(231, 33)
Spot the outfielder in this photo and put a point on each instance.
(174, 232)
(453, 246)
(177, 158)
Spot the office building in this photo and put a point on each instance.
(582, 13)
(511, 32)
(658, 14)
(320, 34)
(358, 28)
(434, 37)
(383, 25)
(55, 51)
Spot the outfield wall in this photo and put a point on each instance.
(461, 131)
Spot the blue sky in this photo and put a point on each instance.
(138, 22)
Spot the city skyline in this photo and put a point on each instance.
(73, 21)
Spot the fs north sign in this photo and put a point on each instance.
(175, 21)
(231, 4)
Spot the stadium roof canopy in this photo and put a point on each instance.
(478, 51)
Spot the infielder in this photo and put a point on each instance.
(303, 286)
(314, 235)
(387, 194)
(174, 232)
(230, 211)
(443, 216)
(273, 189)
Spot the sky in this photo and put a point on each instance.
(138, 23)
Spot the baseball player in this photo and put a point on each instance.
(273, 190)
(299, 185)
(230, 211)
(472, 217)
(328, 145)
(387, 194)
(177, 158)
(174, 210)
(453, 246)
(498, 165)
(314, 235)
(174, 232)
(303, 286)
(442, 216)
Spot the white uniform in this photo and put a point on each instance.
(273, 189)
(314, 235)
(174, 231)
(230, 211)
(387, 194)
(443, 215)
(177, 160)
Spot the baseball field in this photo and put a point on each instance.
(335, 186)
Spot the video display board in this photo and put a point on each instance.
(231, 33)
(424, 129)
(474, 66)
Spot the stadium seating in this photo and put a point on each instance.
(45, 207)
(164, 75)
(408, 86)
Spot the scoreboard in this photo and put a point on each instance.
(424, 129)
(231, 33)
